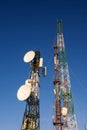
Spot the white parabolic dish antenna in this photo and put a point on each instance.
(24, 92)
(29, 56)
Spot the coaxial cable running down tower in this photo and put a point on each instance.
(29, 92)
(64, 117)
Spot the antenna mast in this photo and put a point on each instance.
(64, 117)
(31, 118)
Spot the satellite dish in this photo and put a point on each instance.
(29, 56)
(24, 92)
(64, 111)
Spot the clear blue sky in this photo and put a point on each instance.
(31, 25)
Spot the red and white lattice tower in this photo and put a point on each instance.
(64, 117)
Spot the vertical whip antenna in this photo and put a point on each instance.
(59, 26)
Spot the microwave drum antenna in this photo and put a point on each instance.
(29, 56)
(24, 92)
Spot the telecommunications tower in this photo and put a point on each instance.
(64, 117)
(29, 92)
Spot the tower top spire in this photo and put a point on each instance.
(59, 26)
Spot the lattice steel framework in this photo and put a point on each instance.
(64, 118)
(31, 118)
